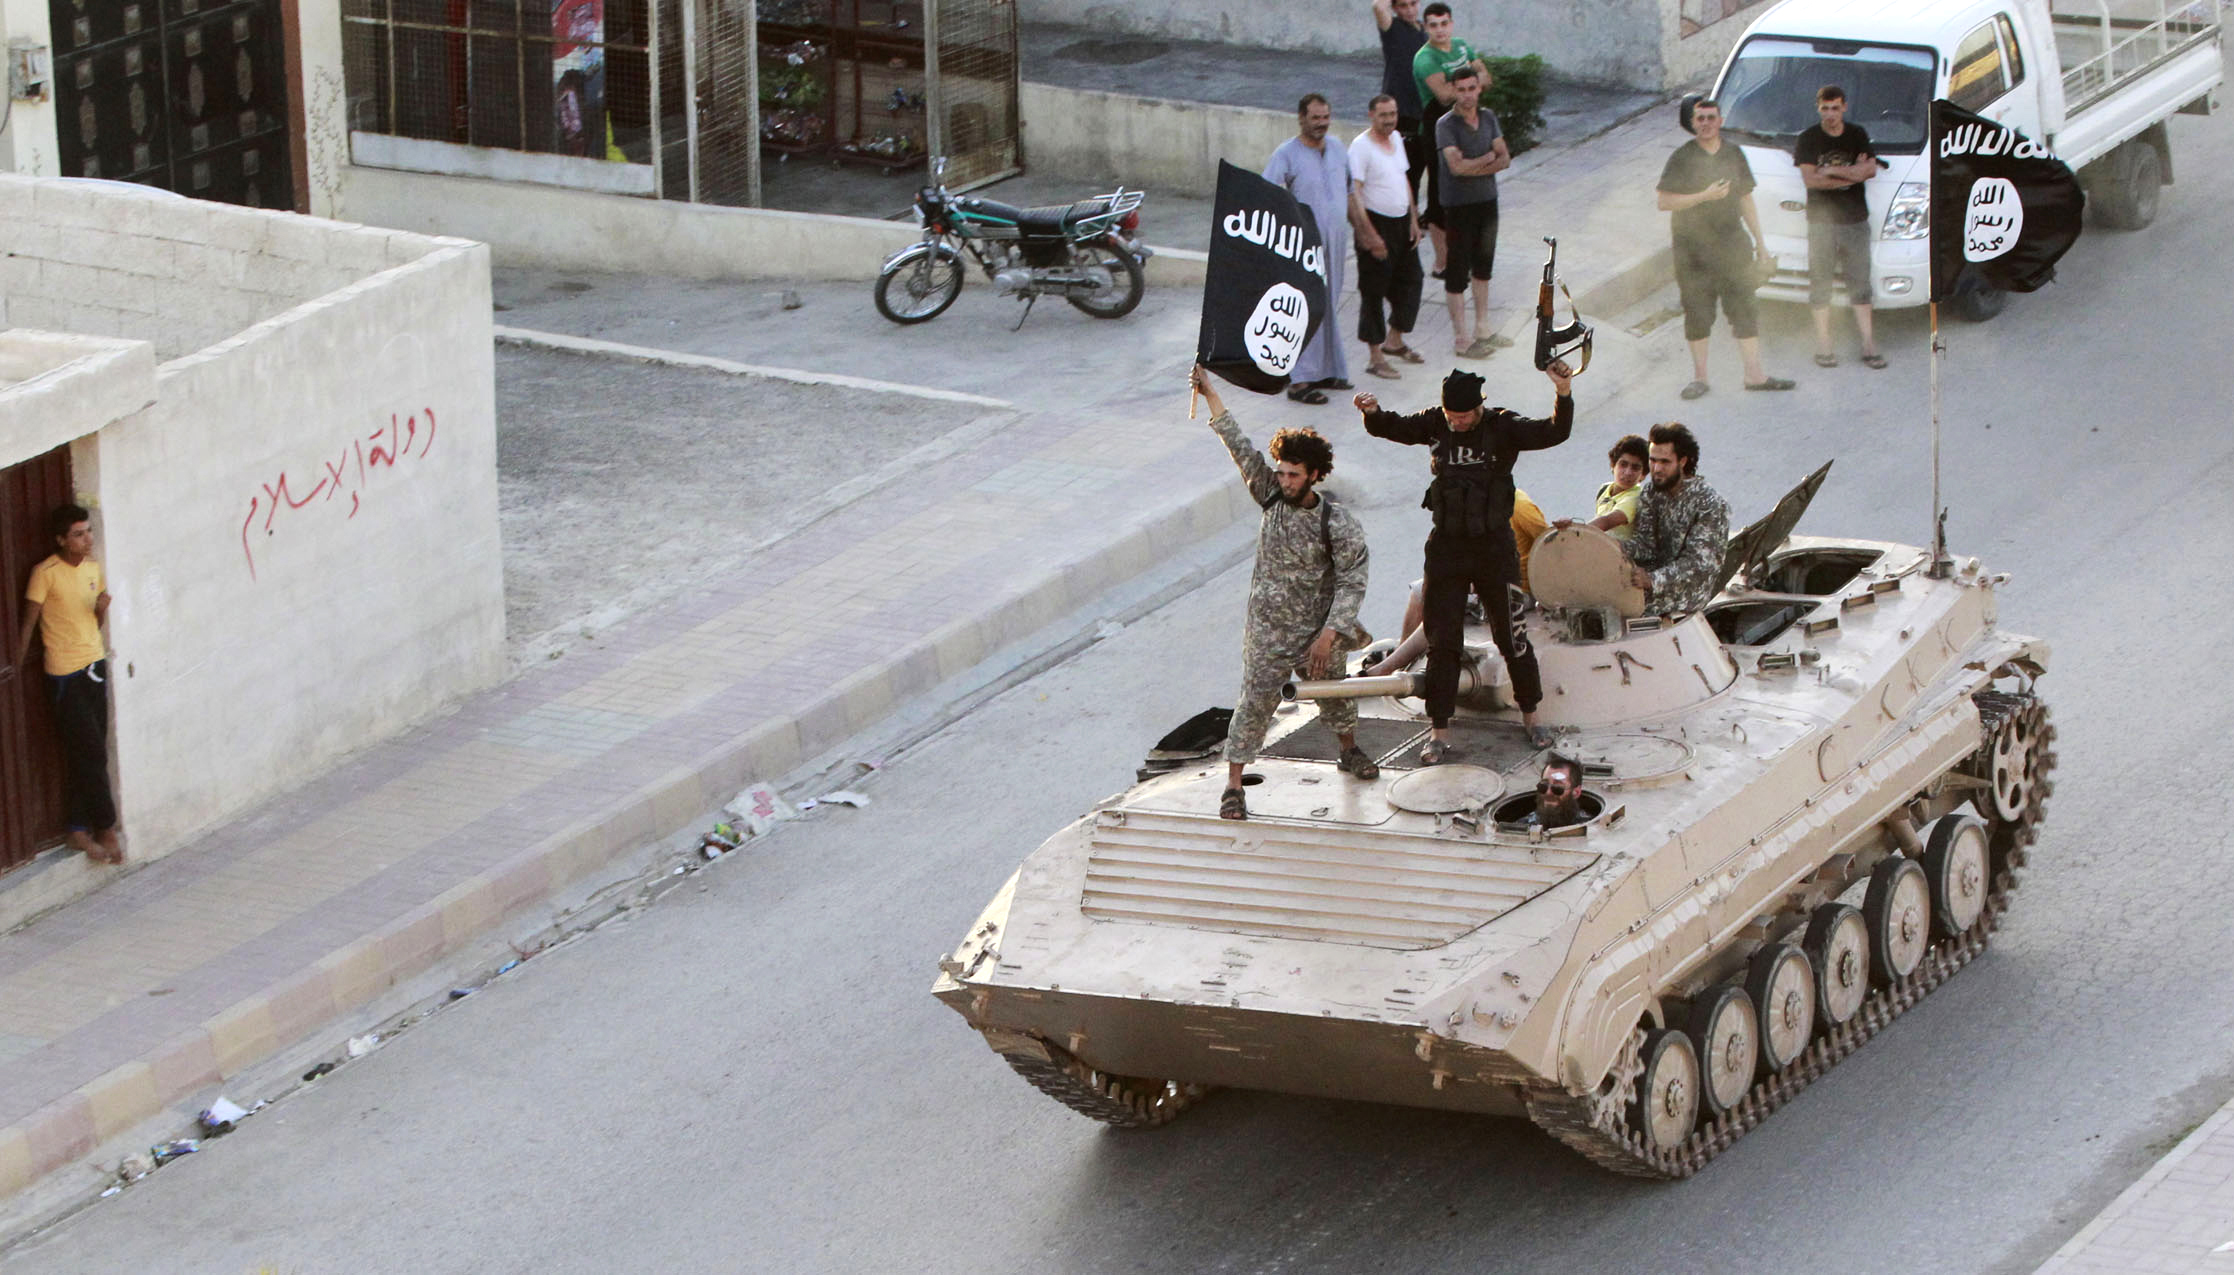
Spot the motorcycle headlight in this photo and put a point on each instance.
(1909, 215)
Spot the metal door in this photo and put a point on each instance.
(189, 95)
(31, 815)
(970, 55)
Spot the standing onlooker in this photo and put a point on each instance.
(1431, 71)
(1401, 38)
(1709, 187)
(69, 602)
(1470, 151)
(1388, 236)
(1834, 160)
(1315, 168)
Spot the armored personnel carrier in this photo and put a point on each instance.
(1804, 808)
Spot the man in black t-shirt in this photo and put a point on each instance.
(1709, 187)
(1470, 547)
(1834, 160)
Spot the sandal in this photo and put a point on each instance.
(1831, 360)
(1233, 805)
(1874, 362)
(1334, 383)
(1384, 371)
(1305, 394)
(1773, 383)
(1437, 752)
(1696, 389)
(1355, 762)
(1404, 352)
(1499, 340)
(1482, 348)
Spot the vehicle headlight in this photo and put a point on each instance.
(1909, 215)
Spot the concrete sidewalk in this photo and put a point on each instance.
(2178, 1219)
(143, 998)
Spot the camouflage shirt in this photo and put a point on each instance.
(1680, 539)
(1296, 591)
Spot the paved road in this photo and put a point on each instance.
(751, 1076)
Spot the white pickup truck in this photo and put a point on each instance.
(2095, 79)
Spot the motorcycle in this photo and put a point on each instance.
(1086, 253)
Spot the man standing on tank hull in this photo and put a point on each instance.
(1303, 596)
(1470, 548)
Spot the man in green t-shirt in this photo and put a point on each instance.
(1431, 67)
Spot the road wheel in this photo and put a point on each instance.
(1726, 1032)
(1958, 863)
(919, 284)
(1119, 282)
(1898, 909)
(1781, 981)
(1667, 1102)
(1838, 943)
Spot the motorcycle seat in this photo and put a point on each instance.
(1053, 219)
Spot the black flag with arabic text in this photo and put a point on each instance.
(1264, 289)
(2002, 204)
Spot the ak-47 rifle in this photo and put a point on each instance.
(1553, 342)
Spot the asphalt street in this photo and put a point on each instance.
(751, 1074)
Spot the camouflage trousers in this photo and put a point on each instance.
(1265, 668)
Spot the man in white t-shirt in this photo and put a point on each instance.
(1388, 232)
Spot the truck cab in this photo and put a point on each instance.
(2096, 84)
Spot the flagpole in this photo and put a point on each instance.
(1939, 562)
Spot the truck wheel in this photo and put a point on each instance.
(1976, 301)
(2131, 203)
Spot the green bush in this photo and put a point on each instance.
(1516, 94)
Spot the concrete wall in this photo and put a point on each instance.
(150, 266)
(554, 228)
(301, 529)
(56, 388)
(1631, 43)
(1612, 41)
(1151, 142)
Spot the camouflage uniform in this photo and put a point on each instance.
(1680, 539)
(1294, 594)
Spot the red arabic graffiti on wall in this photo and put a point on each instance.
(384, 448)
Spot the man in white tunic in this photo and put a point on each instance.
(1314, 166)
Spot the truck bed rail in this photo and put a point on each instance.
(2109, 44)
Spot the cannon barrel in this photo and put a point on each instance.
(1368, 687)
(1357, 687)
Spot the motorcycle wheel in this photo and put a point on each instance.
(928, 279)
(1126, 282)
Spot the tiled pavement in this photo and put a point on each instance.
(196, 966)
(2177, 1220)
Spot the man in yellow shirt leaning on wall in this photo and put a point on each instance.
(69, 603)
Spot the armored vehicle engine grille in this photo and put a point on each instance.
(1346, 885)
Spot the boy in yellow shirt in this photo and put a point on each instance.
(69, 603)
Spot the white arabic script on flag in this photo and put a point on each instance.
(1993, 218)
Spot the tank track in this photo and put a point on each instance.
(1123, 1101)
(1597, 1124)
